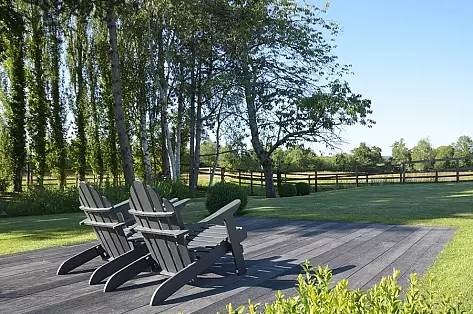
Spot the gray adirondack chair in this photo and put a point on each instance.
(109, 223)
(180, 254)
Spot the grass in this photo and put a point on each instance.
(27, 233)
(441, 204)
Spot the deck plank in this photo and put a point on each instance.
(273, 251)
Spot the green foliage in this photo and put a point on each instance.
(400, 153)
(315, 295)
(170, 189)
(302, 188)
(441, 152)
(464, 148)
(167, 189)
(365, 155)
(287, 190)
(116, 194)
(422, 151)
(223, 193)
(12, 42)
(6, 173)
(41, 201)
(37, 106)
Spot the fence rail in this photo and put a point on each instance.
(317, 179)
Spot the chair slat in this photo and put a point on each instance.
(103, 220)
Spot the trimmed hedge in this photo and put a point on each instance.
(223, 193)
(287, 190)
(40, 201)
(44, 201)
(302, 188)
(316, 294)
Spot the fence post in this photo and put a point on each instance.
(222, 174)
(357, 176)
(27, 173)
(309, 180)
(278, 178)
(285, 177)
(403, 173)
(315, 179)
(458, 170)
(261, 178)
(436, 176)
(210, 172)
(251, 182)
(239, 177)
(336, 180)
(367, 179)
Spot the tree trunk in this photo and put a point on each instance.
(198, 128)
(268, 178)
(81, 96)
(217, 150)
(144, 144)
(260, 151)
(125, 149)
(38, 108)
(57, 110)
(193, 168)
(180, 110)
(17, 131)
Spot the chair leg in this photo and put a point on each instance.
(80, 259)
(187, 274)
(128, 272)
(116, 264)
(237, 251)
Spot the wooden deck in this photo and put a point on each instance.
(273, 251)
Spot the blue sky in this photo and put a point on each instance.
(414, 60)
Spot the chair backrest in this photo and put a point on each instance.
(99, 210)
(158, 222)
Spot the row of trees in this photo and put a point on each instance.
(363, 157)
(423, 150)
(87, 83)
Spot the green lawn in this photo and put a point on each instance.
(443, 204)
(20, 234)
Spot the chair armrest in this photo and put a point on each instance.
(222, 214)
(122, 206)
(140, 213)
(173, 200)
(172, 233)
(103, 224)
(179, 205)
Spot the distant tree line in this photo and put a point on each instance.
(361, 158)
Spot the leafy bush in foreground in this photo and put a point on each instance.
(316, 296)
(223, 193)
(287, 190)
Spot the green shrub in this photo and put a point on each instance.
(287, 190)
(41, 201)
(223, 193)
(302, 188)
(315, 295)
(170, 189)
(116, 194)
(4, 183)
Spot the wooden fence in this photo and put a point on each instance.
(320, 179)
(316, 179)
